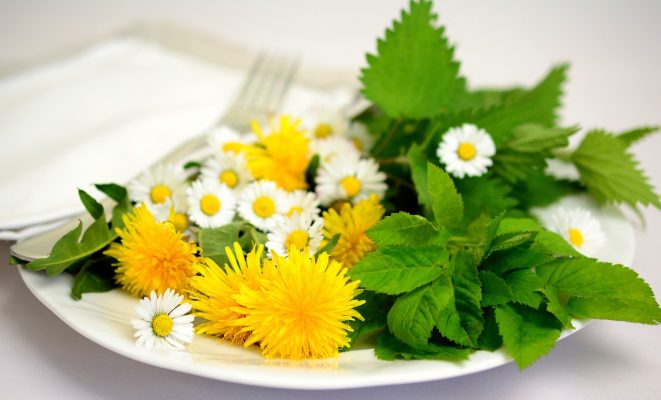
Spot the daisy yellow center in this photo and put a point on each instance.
(298, 238)
(351, 185)
(295, 209)
(209, 204)
(466, 151)
(575, 237)
(162, 325)
(323, 130)
(357, 143)
(160, 193)
(229, 177)
(263, 206)
(232, 146)
(180, 221)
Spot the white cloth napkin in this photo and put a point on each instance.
(103, 115)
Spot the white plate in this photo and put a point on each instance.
(104, 319)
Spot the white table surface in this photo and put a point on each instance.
(614, 83)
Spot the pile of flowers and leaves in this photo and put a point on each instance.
(414, 221)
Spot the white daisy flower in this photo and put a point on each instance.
(164, 321)
(360, 137)
(299, 230)
(466, 151)
(159, 188)
(578, 227)
(331, 147)
(302, 202)
(210, 203)
(223, 139)
(350, 179)
(261, 203)
(227, 168)
(178, 215)
(322, 122)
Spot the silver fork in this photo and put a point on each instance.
(260, 96)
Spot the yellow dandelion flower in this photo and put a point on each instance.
(152, 255)
(213, 290)
(302, 308)
(351, 223)
(281, 156)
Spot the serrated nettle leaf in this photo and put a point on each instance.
(68, 249)
(540, 190)
(490, 338)
(610, 173)
(514, 166)
(93, 207)
(525, 286)
(467, 301)
(634, 135)
(447, 204)
(413, 73)
(528, 334)
(538, 105)
(509, 240)
(592, 285)
(404, 229)
(495, 289)
(389, 348)
(485, 195)
(533, 138)
(95, 276)
(551, 243)
(510, 225)
(395, 270)
(515, 259)
(557, 307)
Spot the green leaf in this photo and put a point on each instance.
(192, 165)
(467, 299)
(113, 190)
(447, 204)
(413, 316)
(525, 286)
(610, 173)
(418, 164)
(535, 139)
(389, 348)
(213, 241)
(510, 239)
(413, 73)
(330, 245)
(514, 225)
(551, 243)
(556, 307)
(485, 195)
(395, 270)
(374, 312)
(528, 334)
(634, 135)
(403, 229)
(538, 105)
(490, 338)
(68, 249)
(514, 166)
(540, 190)
(93, 207)
(495, 289)
(311, 171)
(601, 290)
(94, 277)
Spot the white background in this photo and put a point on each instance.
(615, 51)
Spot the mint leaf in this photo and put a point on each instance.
(413, 73)
(413, 316)
(395, 270)
(528, 334)
(610, 173)
(404, 229)
(601, 290)
(389, 348)
(447, 204)
(634, 135)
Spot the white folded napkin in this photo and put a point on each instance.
(103, 115)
